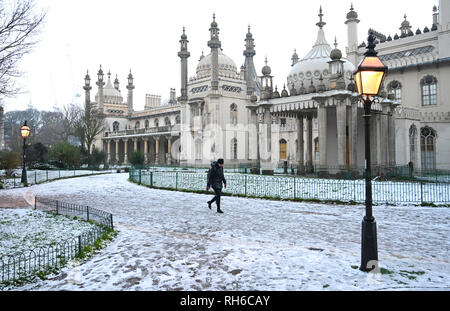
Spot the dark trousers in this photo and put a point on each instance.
(216, 198)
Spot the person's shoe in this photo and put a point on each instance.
(209, 204)
(219, 211)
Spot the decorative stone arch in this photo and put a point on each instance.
(156, 122)
(395, 87)
(167, 121)
(146, 124)
(413, 144)
(137, 125)
(233, 114)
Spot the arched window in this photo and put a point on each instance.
(167, 121)
(396, 88)
(234, 146)
(233, 114)
(428, 148)
(283, 149)
(137, 125)
(429, 91)
(177, 119)
(412, 144)
(115, 126)
(156, 122)
(146, 124)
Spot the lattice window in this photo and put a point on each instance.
(428, 148)
(396, 88)
(233, 114)
(283, 149)
(429, 91)
(115, 126)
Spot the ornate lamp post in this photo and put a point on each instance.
(25, 132)
(368, 77)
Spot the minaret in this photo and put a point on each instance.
(130, 88)
(266, 82)
(100, 85)
(87, 93)
(405, 28)
(215, 45)
(352, 36)
(249, 52)
(184, 54)
(116, 83)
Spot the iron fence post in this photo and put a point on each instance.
(295, 189)
(14, 178)
(176, 180)
(57, 208)
(87, 212)
(46, 171)
(112, 225)
(421, 193)
(79, 245)
(139, 176)
(151, 179)
(245, 178)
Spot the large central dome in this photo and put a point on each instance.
(226, 65)
(314, 64)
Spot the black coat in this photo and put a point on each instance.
(215, 176)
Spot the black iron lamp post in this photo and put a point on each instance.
(369, 76)
(25, 132)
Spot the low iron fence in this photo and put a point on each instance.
(22, 265)
(303, 188)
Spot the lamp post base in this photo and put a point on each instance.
(369, 248)
(24, 179)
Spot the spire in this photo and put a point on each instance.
(321, 23)
(214, 32)
(294, 58)
(116, 83)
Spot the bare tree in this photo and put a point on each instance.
(90, 126)
(19, 27)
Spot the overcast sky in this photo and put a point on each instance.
(143, 36)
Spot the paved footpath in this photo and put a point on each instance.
(171, 241)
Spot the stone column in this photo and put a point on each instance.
(392, 160)
(169, 147)
(146, 149)
(117, 150)
(354, 134)
(341, 121)
(322, 120)
(266, 154)
(135, 147)
(156, 150)
(125, 151)
(108, 146)
(301, 148)
(384, 135)
(309, 144)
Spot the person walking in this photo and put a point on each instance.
(215, 180)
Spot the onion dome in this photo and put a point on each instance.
(302, 89)
(226, 65)
(410, 33)
(111, 95)
(316, 62)
(266, 70)
(183, 36)
(335, 54)
(293, 91)
(405, 23)
(321, 87)
(396, 37)
(418, 31)
(284, 93)
(425, 30)
(276, 94)
(294, 58)
(202, 56)
(352, 14)
(312, 88)
(351, 86)
(389, 38)
(434, 27)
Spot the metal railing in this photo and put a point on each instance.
(295, 188)
(23, 265)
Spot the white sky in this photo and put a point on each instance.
(143, 36)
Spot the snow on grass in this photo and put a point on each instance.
(26, 229)
(170, 240)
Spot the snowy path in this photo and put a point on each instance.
(170, 240)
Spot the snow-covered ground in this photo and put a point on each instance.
(169, 240)
(26, 229)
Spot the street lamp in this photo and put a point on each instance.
(368, 77)
(25, 132)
